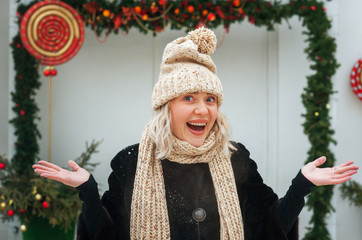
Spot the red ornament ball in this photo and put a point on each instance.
(45, 204)
(22, 112)
(46, 72)
(236, 3)
(53, 72)
(2, 166)
(10, 213)
(211, 17)
(313, 8)
(190, 9)
(22, 210)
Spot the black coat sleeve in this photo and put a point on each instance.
(108, 217)
(265, 215)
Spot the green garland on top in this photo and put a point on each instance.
(114, 16)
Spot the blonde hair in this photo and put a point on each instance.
(160, 132)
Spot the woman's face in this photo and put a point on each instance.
(193, 116)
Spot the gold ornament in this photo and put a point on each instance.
(316, 114)
(38, 196)
(3, 205)
(35, 190)
(23, 228)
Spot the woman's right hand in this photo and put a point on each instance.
(71, 178)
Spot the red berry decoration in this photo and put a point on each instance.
(45, 204)
(190, 9)
(10, 213)
(46, 72)
(53, 72)
(236, 3)
(211, 17)
(2, 166)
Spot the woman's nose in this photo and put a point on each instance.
(201, 108)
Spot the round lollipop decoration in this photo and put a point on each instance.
(52, 32)
(356, 79)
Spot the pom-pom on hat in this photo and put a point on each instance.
(187, 67)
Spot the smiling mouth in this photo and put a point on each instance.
(197, 127)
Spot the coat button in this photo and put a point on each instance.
(199, 214)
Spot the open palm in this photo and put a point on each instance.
(71, 178)
(328, 176)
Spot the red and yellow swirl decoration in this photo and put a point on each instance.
(52, 31)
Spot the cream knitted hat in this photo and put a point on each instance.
(187, 67)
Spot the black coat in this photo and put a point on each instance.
(188, 187)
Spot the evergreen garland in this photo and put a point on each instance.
(114, 16)
(30, 197)
(352, 191)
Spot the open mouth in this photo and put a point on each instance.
(196, 127)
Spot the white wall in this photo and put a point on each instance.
(4, 85)
(348, 112)
(104, 93)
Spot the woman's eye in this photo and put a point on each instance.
(210, 99)
(188, 98)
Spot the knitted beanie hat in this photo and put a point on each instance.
(187, 67)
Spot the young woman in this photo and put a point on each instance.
(186, 180)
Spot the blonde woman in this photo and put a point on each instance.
(186, 179)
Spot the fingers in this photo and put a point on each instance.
(344, 164)
(344, 174)
(73, 165)
(49, 165)
(51, 176)
(42, 168)
(340, 180)
(319, 161)
(345, 169)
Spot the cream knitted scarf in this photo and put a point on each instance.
(149, 216)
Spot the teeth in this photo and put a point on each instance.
(197, 124)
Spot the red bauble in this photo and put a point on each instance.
(313, 8)
(236, 3)
(45, 204)
(190, 9)
(10, 213)
(53, 72)
(2, 166)
(211, 17)
(22, 112)
(22, 210)
(46, 72)
(137, 9)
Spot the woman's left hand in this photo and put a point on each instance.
(328, 176)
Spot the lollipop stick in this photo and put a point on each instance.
(50, 119)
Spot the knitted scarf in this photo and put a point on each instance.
(149, 216)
